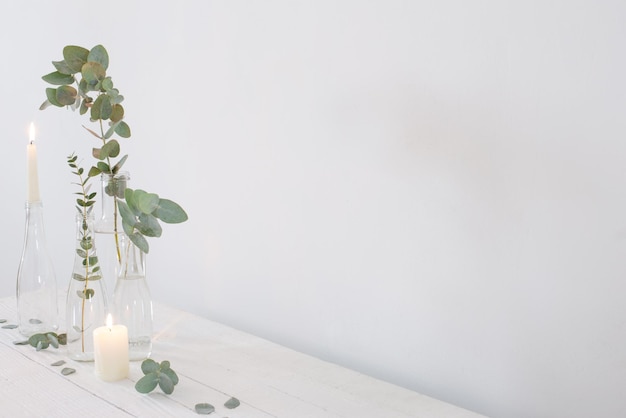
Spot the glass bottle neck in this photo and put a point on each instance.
(133, 261)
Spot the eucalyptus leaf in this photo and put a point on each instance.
(2, 321)
(62, 67)
(46, 104)
(110, 149)
(109, 133)
(171, 374)
(9, 326)
(93, 73)
(204, 408)
(107, 83)
(53, 340)
(129, 196)
(75, 57)
(147, 383)
(118, 166)
(128, 229)
(149, 226)
(149, 366)
(140, 242)
(117, 114)
(58, 363)
(93, 172)
(58, 78)
(66, 95)
(166, 384)
(127, 215)
(232, 403)
(99, 54)
(51, 94)
(78, 277)
(67, 370)
(170, 212)
(146, 202)
(34, 321)
(103, 167)
(123, 129)
(22, 342)
(101, 108)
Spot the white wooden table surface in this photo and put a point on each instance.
(213, 362)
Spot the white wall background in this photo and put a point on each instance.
(433, 193)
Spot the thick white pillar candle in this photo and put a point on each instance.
(33, 177)
(110, 344)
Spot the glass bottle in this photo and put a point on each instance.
(108, 228)
(132, 303)
(86, 305)
(37, 299)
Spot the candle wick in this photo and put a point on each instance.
(31, 142)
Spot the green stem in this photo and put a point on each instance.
(115, 227)
(82, 319)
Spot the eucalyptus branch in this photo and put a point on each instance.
(140, 211)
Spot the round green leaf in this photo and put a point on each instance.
(110, 149)
(75, 57)
(122, 129)
(147, 383)
(107, 84)
(93, 73)
(232, 403)
(51, 94)
(117, 114)
(149, 366)
(101, 108)
(66, 95)
(99, 54)
(67, 370)
(204, 408)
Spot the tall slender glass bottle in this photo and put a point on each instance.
(132, 303)
(87, 299)
(37, 298)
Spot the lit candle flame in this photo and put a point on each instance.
(109, 321)
(32, 133)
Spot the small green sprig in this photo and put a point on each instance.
(84, 205)
(160, 374)
(44, 340)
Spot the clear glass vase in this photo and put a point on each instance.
(109, 233)
(132, 303)
(37, 298)
(86, 304)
